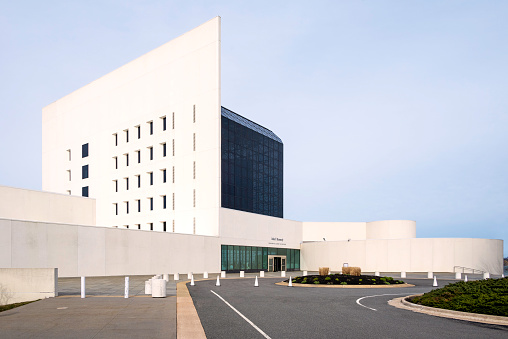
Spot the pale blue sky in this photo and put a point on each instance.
(387, 109)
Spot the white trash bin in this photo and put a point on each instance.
(158, 288)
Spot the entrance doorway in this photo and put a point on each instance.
(276, 263)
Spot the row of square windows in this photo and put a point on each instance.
(163, 120)
(85, 174)
(164, 226)
(151, 203)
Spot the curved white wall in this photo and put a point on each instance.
(391, 229)
(410, 255)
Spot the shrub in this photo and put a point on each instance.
(357, 271)
(328, 278)
(343, 283)
(316, 282)
(324, 271)
(315, 279)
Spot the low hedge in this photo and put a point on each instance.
(482, 296)
(345, 279)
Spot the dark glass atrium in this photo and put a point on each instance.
(251, 166)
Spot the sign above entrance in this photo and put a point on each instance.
(276, 241)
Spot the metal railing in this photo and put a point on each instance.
(463, 269)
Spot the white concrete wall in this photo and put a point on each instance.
(98, 251)
(391, 229)
(410, 255)
(27, 284)
(333, 231)
(23, 204)
(250, 229)
(173, 78)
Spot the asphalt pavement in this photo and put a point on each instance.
(273, 311)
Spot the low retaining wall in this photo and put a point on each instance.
(26, 284)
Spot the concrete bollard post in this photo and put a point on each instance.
(486, 275)
(465, 278)
(430, 275)
(261, 274)
(304, 273)
(242, 274)
(192, 280)
(376, 273)
(458, 275)
(434, 284)
(402, 274)
(218, 282)
(148, 286)
(83, 287)
(282, 273)
(158, 288)
(222, 274)
(166, 277)
(256, 284)
(290, 282)
(176, 276)
(205, 275)
(189, 275)
(126, 292)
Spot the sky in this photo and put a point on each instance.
(387, 109)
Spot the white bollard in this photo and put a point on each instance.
(304, 273)
(402, 274)
(256, 284)
(148, 286)
(502, 276)
(158, 288)
(262, 274)
(242, 274)
(126, 293)
(218, 282)
(83, 287)
(290, 282)
(376, 273)
(166, 277)
(205, 275)
(465, 278)
(176, 276)
(430, 275)
(282, 273)
(435, 282)
(192, 280)
(458, 275)
(222, 274)
(486, 275)
(189, 275)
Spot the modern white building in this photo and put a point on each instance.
(180, 183)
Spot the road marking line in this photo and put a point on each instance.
(241, 315)
(370, 296)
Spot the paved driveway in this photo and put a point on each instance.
(283, 312)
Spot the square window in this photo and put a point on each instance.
(151, 178)
(84, 191)
(150, 125)
(163, 123)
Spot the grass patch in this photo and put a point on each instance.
(11, 306)
(346, 279)
(483, 296)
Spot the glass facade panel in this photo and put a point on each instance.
(251, 165)
(248, 258)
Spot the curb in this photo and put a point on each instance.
(188, 324)
(402, 303)
(345, 286)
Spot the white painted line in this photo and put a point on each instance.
(370, 296)
(244, 317)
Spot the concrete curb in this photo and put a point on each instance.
(344, 286)
(188, 324)
(402, 303)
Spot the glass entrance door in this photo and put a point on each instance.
(276, 263)
(283, 263)
(270, 264)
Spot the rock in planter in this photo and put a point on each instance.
(352, 271)
(324, 270)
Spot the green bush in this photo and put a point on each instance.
(343, 283)
(328, 278)
(316, 282)
(483, 296)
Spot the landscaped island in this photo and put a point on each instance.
(345, 279)
(483, 296)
